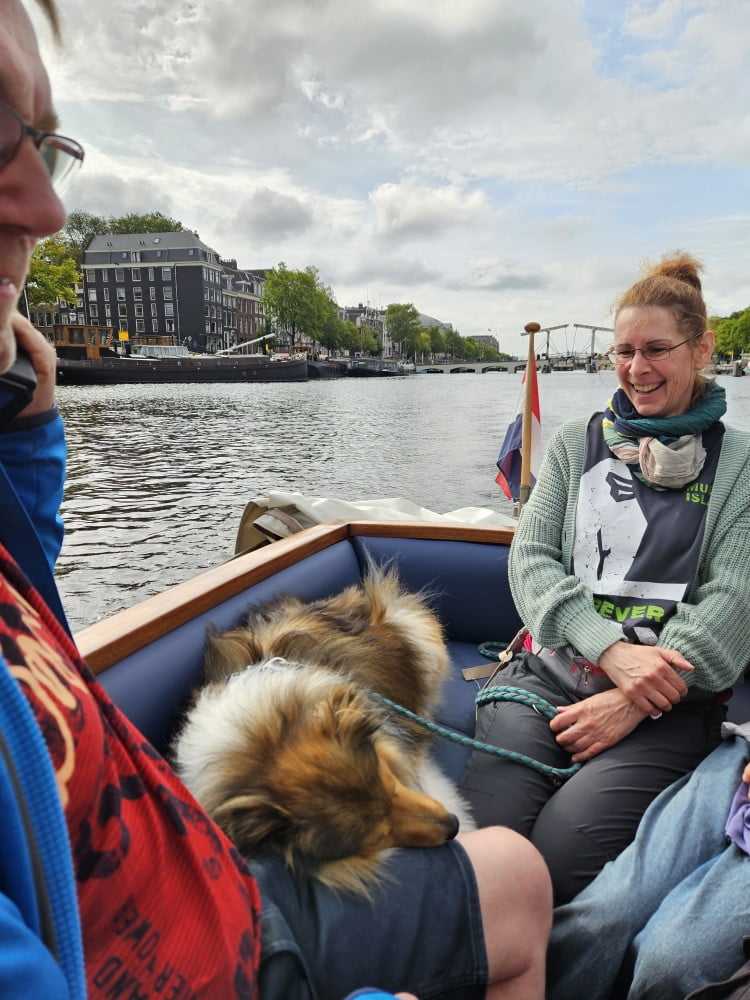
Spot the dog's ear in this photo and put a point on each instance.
(226, 654)
(255, 825)
(346, 715)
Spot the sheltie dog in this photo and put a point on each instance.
(290, 751)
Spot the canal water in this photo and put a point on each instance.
(158, 476)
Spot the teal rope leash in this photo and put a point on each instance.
(501, 693)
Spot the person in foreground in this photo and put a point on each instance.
(113, 882)
(629, 568)
(668, 916)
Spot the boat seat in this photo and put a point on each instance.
(153, 685)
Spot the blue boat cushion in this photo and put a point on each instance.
(468, 580)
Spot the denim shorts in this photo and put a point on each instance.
(420, 931)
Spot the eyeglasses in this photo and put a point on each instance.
(61, 156)
(622, 355)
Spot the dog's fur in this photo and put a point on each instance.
(293, 756)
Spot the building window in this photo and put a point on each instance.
(151, 274)
(152, 292)
(138, 309)
(122, 309)
(153, 309)
(119, 274)
(155, 325)
(138, 293)
(166, 274)
(191, 253)
(168, 309)
(169, 325)
(120, 294)
(108, 311)
(92, 295)
(167, 291)
(135, 273)
(90, 275)
(106, 295)
(123, 324)
(135, 258)
(105, 276)
(94, 309)
(140, 326)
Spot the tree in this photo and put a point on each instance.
(290, 297)
(52, 274)
(470, 349)
(454, 343)
(732, 332)
(437, 340)
(349, 336)
(151, 222)
(328, 322)
(402, 323)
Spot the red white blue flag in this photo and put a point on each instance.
(509, 459)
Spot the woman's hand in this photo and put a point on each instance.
(746, 774)
(43, 359)
(587, 727)
(646, 674)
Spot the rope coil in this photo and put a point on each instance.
(500, 693)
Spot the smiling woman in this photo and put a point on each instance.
(658, 315)
(629, 589)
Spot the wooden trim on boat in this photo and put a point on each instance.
(116, 637)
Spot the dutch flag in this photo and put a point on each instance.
(509, 459)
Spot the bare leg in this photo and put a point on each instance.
(515, 897)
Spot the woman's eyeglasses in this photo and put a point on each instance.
(61, 156)
(656, 352)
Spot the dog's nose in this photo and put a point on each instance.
(452, 828)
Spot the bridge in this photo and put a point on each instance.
(563, 363)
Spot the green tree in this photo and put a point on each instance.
(290, 297)
(150, 222)
(328, 321)
(79, 230)
(732, 332)
(470, 349)
(404, 328)
(437, 340)
(52, 274)
(349, 336)
(454, 343)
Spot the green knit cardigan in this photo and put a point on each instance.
(711, 627)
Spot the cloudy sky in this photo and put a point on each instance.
(491, 161)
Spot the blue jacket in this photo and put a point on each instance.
(41, 953)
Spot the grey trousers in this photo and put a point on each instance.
(587, 821)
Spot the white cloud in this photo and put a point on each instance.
(490, 161)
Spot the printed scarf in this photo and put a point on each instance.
(668, 451)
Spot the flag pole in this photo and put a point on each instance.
(525, 491)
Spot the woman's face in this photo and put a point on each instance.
(661, 388)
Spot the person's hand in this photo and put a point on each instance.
(746, 776)
(43, 359)
(646, 674)
(587, 727)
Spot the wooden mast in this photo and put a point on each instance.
(525, 491)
